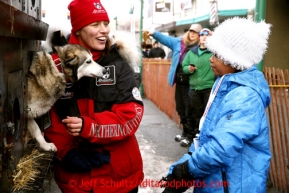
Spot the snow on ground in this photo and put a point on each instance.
(155, 167)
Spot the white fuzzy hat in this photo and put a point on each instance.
(239, 42)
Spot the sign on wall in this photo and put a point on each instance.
(186, 4)
(162, 11)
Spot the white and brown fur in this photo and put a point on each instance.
(45, 84)
(128, 48)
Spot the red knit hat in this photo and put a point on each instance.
(85, 12)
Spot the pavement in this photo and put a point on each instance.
(158, 148)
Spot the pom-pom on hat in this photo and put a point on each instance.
(239, 42)
(85, 12)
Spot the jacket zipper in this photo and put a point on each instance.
(225, 182)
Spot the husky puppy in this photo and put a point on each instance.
(45, 84)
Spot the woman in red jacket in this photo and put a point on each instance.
(94, 123)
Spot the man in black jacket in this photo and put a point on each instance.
(156, 51)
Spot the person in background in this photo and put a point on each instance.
(234, 149)
(149, 46)
(157, 52)
(180, 46)
(197, 64)
(93, 124)
(57, 39)
(144, 50)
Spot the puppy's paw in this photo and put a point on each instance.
(48, 147)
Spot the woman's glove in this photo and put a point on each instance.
(83, 161)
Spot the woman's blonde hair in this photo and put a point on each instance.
(187, 39)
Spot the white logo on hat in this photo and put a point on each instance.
(99, 8)
(97, 5)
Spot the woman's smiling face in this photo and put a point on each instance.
(94, 35)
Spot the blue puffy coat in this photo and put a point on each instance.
(234, 137)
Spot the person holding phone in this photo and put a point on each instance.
(201, 80)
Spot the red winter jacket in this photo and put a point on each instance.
(111, 114)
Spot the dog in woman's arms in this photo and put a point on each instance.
(45, 84)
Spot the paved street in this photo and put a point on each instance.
(158, 147)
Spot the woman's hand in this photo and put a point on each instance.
(73, 125)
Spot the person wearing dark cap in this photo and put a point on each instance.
(156, 51)
(233, 148)
(176, 76)
(97, 149)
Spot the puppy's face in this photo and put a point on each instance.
(78, 62)
(45, 84)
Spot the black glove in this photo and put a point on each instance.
(83, 161)
(180, 179)
(75, 161)
(170, 185)
(97, 159)
(181, 171)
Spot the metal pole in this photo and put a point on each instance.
(140, 39)
(260, 12)
(116, 23)
(214, 13)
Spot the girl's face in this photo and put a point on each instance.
(203, 39)
(203, 36)
(219, 67)
(193, 35)
(94, 35)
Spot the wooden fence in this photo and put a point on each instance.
(157, 89)
(278, 117)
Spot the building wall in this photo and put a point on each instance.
(277, 14)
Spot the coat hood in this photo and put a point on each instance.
(254, 79)
(128, 48)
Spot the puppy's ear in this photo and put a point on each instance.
(71, 60)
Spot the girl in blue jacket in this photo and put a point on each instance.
(233, 153)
